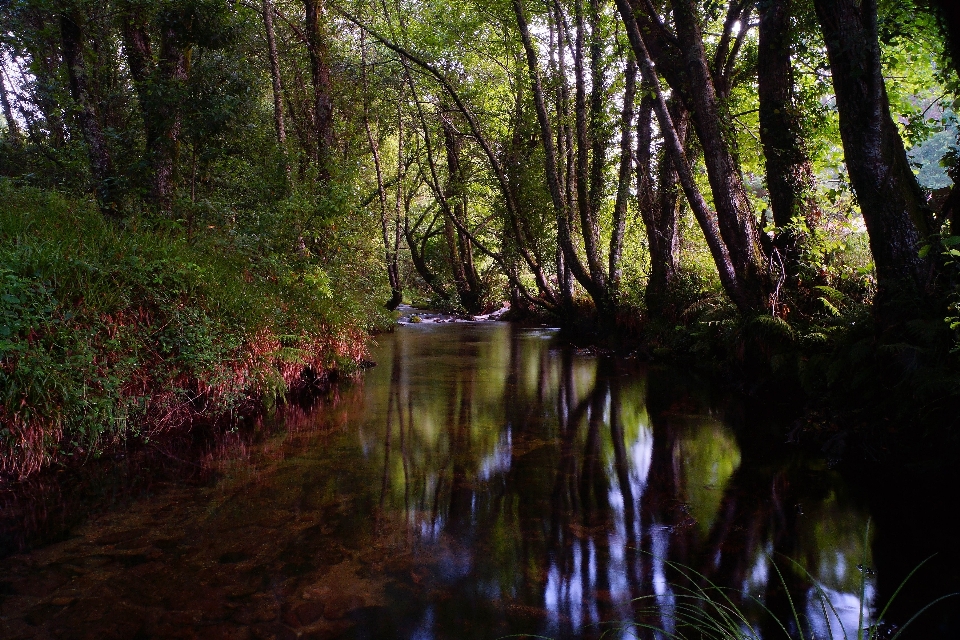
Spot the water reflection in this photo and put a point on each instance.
(481, 481)
(570, 493)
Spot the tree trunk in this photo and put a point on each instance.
(950, 14)
(506, 262)
(659, 210)
(564, 236)
(396, 294)
(587, 193)
(13, 129)
(418, 257)
(301, 118)
(458, 246)
(45, 63)
(725, 57)
(623, 181)
(565, 159)
(99, 156)
(890, 199)
(789, 174)
(159, 87)
(547, 298)
(731, 231)
(108, 82)
(137, 47)
(172, 68)
(278, 120)
(318, 49)
(392, 242)
(45, 96)
(734, 213)
(674, 145)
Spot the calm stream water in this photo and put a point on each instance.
(480, 481)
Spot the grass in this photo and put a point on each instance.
(109, 333)
(707, 611)
(704, 610)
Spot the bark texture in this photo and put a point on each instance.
(674, 145)
(99, 157)
(735, 217)
(731, 230)
(659, 208)
(789, 174)
(891, 201)
(623, 180)
(278, 119)
(318, 49)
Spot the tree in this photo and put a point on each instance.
(159, 78)
(893, 206)
(459, 245)
(275, 81)
(319, 50)
(950, 14)
(73, 57)
(577, 195)
(13, 128)
(789, 173)
(731, 231)
(659, 195)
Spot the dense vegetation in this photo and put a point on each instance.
(205, 202)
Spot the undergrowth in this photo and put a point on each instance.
(691, 606)
(699, 609)
(828, 358)
(109, 333)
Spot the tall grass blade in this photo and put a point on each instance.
(917, 614)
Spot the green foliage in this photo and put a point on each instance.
(951, 263)
(109, 333)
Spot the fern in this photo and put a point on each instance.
(767, 327)
(829, 306)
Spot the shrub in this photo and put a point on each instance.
(109, 333)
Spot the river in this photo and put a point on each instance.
(482, 480)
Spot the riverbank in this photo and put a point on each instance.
(111, 334)
(114, 333)
(851, 391)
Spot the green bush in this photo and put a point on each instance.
(108, 333)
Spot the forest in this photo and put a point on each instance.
(207, 205)
(476, 319)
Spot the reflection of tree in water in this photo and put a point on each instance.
(570, 517)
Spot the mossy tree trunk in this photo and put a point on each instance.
(893, 206)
